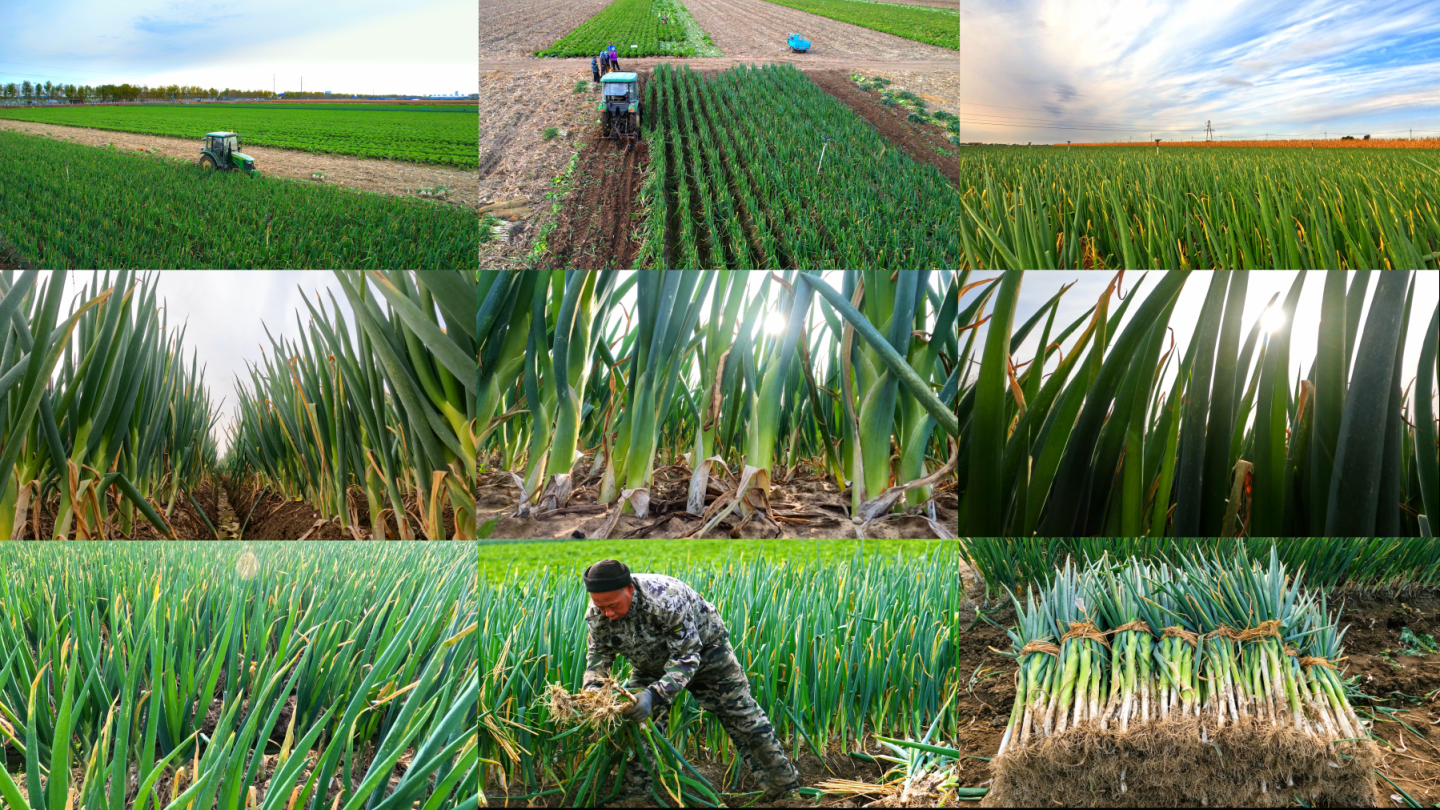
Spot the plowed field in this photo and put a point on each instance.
(513, 30)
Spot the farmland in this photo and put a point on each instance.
(440, 134)
(936, 26)
(876, 657)
(393, 395)
(367, 443)
(635, 28)
(715, 426)
(750, 190)
(265, 675)
(1360, 610)
(1238, 207)
(1129, 434)
(66, 205)
(563, 557)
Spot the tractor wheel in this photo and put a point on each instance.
(208, 162)
(605, 124)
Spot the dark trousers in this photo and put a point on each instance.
(597, 75)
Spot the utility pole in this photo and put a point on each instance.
(1209, 131)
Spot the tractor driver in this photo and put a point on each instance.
(675, 640)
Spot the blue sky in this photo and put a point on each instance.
(1047, 71)
(344, 46)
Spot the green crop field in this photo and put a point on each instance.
(267, 676)
(936, 26)
(736, 190)
(1236, 207)
(443, 134)
(564, 557)
(635, 29)
(64, 205)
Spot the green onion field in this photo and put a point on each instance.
(838, 650)
(635, 29)
(263, 676)
(733, 180)
(1109, 428)
(70, 206)
(442, 134)
(1046, 207)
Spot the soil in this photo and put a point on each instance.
(10, 259)
(183, 519)
(806, 507)
(598, 227)
(756, 29)
(393, 177)
(941, 90)
(515, 30)
(517, 164)
(275, 518)
(919, 141)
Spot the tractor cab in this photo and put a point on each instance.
(620, 88)
(222, 151)
(619, 107)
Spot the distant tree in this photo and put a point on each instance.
(11, 91)
(1367, 137)
(26, 89)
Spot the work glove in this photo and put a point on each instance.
(642, 707)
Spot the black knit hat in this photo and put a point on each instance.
(606, 575)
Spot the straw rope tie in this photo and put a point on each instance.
(1137, 626)
(1308, 662)
(1181, 633)
(1085, 630)
(1265, 630)
(1040, 647)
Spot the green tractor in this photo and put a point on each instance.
(222, 151)
(620, 107)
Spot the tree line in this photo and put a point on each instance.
(51, 91)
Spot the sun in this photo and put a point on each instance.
(1272, 320)
(774, 323)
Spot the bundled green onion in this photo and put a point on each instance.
(1220, 643)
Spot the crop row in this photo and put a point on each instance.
(935, 26)
(633, 27)
(445, 136)
(739, 179)
(1199, 208)
(64, 205)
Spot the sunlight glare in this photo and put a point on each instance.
(774, 323)
(1272, 320)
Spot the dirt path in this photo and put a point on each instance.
(228, 525)
(511, 29)
(392, 177)
(757, 29)
(918, 141)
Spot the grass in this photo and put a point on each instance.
(444, 134)
(501, 558)
(1046, 208)
(68, 205)
(934, 26)
(634, 27)
(550, 133)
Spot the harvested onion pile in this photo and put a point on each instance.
(1114, 646)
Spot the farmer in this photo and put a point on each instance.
(595, 69)
(604, 61)
(614, 61)
(675, 640)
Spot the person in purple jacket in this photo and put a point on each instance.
(614, 61)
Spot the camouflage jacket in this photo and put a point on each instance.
(669, 629)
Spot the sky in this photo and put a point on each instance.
(1040, 286)
(225, 313)
(344, 46)
(1047, 71)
